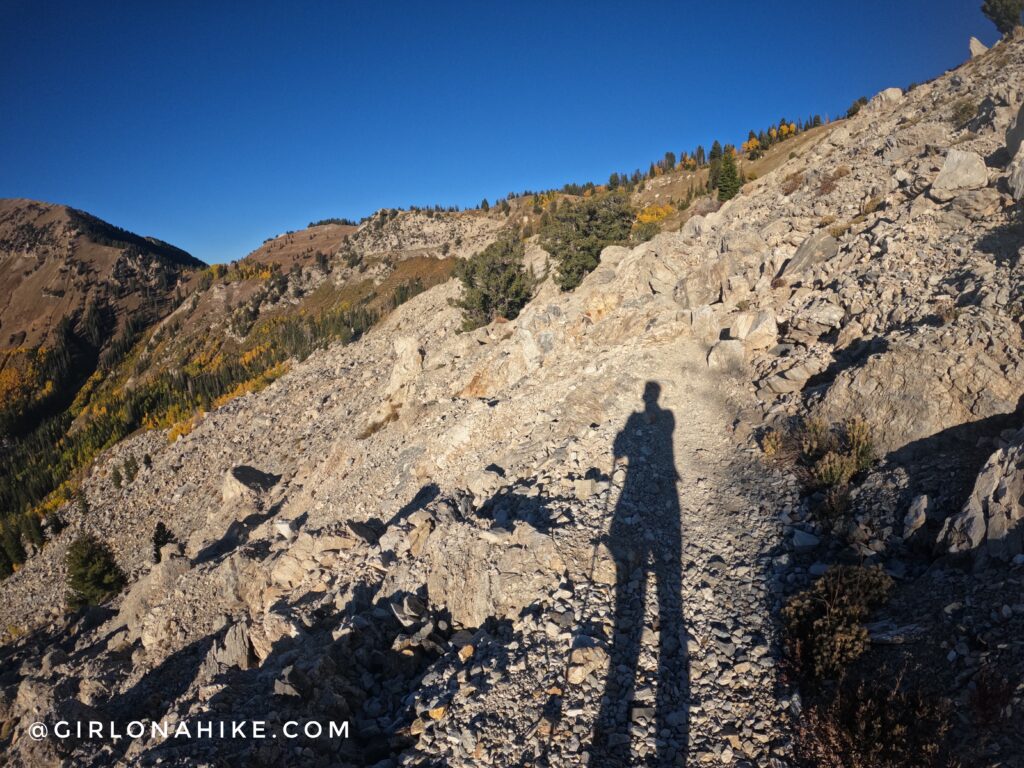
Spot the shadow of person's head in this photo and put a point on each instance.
(652, 391)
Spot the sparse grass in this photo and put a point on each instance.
(838, 230)
(871, 205)
(377, 425)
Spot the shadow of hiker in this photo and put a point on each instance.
(645, 537)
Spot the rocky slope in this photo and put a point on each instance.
(468, 545)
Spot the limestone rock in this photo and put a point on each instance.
(1016, 175)
(819, 247)
(990, 522)
(727, 356)
(977, 48)
(961, 171)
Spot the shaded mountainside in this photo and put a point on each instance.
(74, 289)
(748, 495)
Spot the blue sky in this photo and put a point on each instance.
(214, 125)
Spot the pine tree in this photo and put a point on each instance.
(11, 543)
(93, 573)
(716, 151)
(1005, 14)
(728, 177)
(116, 478)
(495, 283)
(484, 205)
(161, 538)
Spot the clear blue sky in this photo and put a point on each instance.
(214, 125)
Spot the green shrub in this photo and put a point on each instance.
(645, 231)
(576, 234)
(93, 574)
(495, 283)
(824, 630)
(963, 111)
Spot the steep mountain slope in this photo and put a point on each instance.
(72, 285)
(569, 539)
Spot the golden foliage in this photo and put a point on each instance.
(653, 213)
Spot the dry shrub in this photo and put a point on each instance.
(838, 230)
(833, 454)
(871, 205)
(964, 110)
(990, 698)
(792, 183)
(835, 505)
(833, 470)
(878, 723)
(824, 623)
(828, 181)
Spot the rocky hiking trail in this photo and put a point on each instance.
(685, 621)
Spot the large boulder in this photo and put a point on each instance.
(817, 248)
(961, 171)
(976, 47)
(886, 98)
(991, 523)
(704, 283)
(909, 393)
(150, 591)
(1016, 179)
(479, 574)
(1015, 133)
(246, 484)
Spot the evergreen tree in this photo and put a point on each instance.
(495, 283)
(577, 234)
(161, 538)
(93, 573)
(131, 469)
(10, 541)
(31, 530)
(116, 478)
(699, 155)
(728, 177)
(1005, 14)
(484, 205)
(716, 151)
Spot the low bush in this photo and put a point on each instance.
(824, 623)
(792, 183)
(93, 574)
(881, 722)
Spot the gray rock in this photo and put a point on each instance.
(817, 248)
(1016, 175)
(961, 171)
(990, 522)
(727, 356)
(804, 541)
(1015, 133)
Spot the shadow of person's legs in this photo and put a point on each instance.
(673, 662)
(612, 737)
